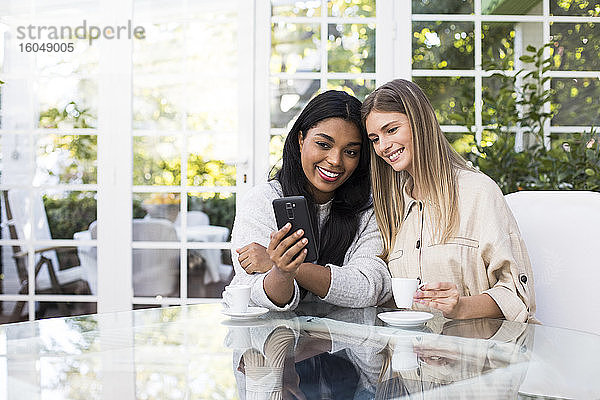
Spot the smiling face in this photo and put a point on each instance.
(329, 153)
(392, 139)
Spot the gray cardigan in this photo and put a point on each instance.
(363, 281)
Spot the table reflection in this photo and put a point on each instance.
(317, 351)
(344, 354)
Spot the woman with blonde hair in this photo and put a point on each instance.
(441, 220)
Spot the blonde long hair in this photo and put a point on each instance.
(434, 164)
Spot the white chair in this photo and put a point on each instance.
(16, 214)
(194, 218)
(155, 272)
(561, 230)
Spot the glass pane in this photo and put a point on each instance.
(575, 7)
(576, 46)
(442, 7)
(498, 42)
(462, 142)
(218, 55)
(8, 315)
(46, 309)
(452, 98)
(83, 60)
(350, 9)
(156, 160)
(288, 98)
(295, 48)
(498, 101)
(158, 103)
(13, 270)
(156, 206)
(209, 270)
(503, 7)
(359, 88)
(351, 48)
(162, 50)
(62, 263)
(155, 272)
(215, 209)
(15, 103)
(67, 213)
(576, 101)
(18, 165)
(294, 8)
(67, 103)
(209, 219)
(276, 152)
(212, 159)
(212, 105)
(64, 159)
(443, 45)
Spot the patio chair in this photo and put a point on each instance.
(155, 272)
(57, 280)
(561, 230)
(194, 218)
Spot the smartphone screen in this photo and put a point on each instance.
(294, 209)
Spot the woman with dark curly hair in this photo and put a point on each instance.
(326, 160)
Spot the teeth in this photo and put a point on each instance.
(329, 174)
(396, 154)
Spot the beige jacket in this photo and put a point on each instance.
(487, 255)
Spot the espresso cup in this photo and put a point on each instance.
(237, 297)
(403, 290)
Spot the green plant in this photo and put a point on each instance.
(568, 162)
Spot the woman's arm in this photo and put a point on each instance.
(445, 297)
(255, 222)
(363, 281)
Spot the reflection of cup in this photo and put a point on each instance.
(404, 289)
(404, 357)
(404, 360)
(237, 297)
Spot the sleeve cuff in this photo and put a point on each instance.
(260, 298)
(335, 291)
(509, 303)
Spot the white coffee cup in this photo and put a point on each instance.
(403, 290)
(237, 297)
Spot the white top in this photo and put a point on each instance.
(362, 281)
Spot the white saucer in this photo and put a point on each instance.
(243, 323)
(405, 318)
(252, 312)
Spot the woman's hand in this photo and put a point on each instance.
(254, 258)
(282, 251)
(441, 295)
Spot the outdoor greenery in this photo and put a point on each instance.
(511, 104)
(569, 162)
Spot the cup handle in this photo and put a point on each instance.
(226, 298)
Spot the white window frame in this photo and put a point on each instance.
(478, 73)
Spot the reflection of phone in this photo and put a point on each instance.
(294, 210)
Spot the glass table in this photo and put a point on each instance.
(318, 351)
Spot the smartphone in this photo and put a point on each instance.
(294, 210)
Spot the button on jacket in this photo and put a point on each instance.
(486, 254)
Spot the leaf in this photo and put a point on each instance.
(531, 49)
(526, 59)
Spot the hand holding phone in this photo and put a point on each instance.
(288, 241)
